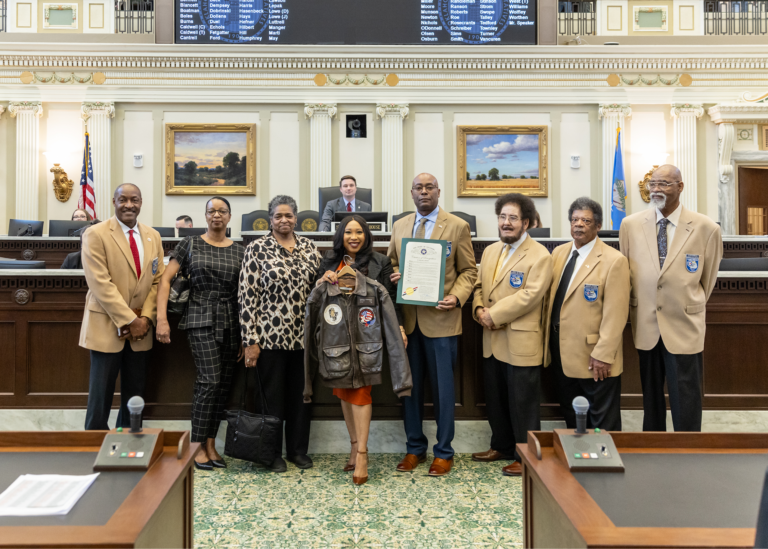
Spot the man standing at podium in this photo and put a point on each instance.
(347, 203)
(433, 332)
(123, 263)
(674, 255)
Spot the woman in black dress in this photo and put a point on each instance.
(211, 321)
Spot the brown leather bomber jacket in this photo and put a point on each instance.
(349, 337)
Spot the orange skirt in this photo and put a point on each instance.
(358, 397)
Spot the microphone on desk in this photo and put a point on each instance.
(135, 407)
(580, 406)
(26, 231)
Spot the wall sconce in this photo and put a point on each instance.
(62, 185)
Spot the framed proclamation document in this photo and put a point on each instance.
(422, 269)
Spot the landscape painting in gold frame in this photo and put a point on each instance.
(495, 160)
(210, 159)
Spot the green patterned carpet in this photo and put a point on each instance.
(247, 506)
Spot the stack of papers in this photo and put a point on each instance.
(44, 495)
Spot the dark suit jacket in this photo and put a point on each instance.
(379, 269)
(339, 205)
(72, 261)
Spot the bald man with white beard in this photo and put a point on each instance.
(674, 255)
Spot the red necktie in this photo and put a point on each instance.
(349, 206)
(135, 252)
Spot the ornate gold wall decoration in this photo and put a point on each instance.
(56, 78)
(363, 80)
(62, 185)
(645, 193)
(642, 80)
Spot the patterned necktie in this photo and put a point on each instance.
(661, 238)
(421, 231)
(349, 206)
(500, 262)
(135, 252)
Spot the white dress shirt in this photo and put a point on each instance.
(674, 221)
(512, 248)
(429, 225)
(136, 237)
(347, 202)
(583, 253)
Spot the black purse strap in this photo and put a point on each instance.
(188, 266)
(264, 409)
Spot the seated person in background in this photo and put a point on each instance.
(73, 260)
(81, 215)
(183, 222)
(536, 222)
(347, 202)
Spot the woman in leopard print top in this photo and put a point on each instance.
(279, 271)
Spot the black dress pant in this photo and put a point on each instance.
(683, 374)
(604, 396)
(132, 367)
(282, 377)
(215, 363)
(513, 403)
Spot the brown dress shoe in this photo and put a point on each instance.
(410, 462)
(490, 455)
(514, 469)
(440, 467)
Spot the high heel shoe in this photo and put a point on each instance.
(361, 480)
(350, 466)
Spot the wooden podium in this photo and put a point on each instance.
(152, 508)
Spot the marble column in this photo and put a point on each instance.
(27, 115)
(726, 189)
(392, 116)
(613, 116)
(320, 148)
(685, 116)
(96, 119)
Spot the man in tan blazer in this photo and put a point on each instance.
(674, 255)
(123, 263)
(514, 278)
(433, 331)
(586, 315)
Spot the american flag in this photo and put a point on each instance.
(87, 199)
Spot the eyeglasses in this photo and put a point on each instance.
(584, 220)
(220, 212)
(661, 185)
(511, 218)
(428, 188)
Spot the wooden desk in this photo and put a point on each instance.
(157, 512)
(562, 509)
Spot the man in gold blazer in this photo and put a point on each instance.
(674, 255)
(514, 278)
(433, 331)
(586, 315)
(123, 263)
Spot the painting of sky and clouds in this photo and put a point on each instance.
(216, 159)
(503, 160)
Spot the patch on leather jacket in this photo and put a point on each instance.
(332, 314)
(367, 317)
(363, 301)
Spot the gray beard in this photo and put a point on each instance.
(658, 202)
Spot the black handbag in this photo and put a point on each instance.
(253, 437)
(180, 286)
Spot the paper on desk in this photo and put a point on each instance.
(43, 495)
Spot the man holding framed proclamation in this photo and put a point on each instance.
(422, 243)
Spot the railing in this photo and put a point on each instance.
(3, 10)
(736, 17)
(576, 18)
(134, 17)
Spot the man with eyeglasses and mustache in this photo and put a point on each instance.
(514, 278)
(586, 315)
(674, 255)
